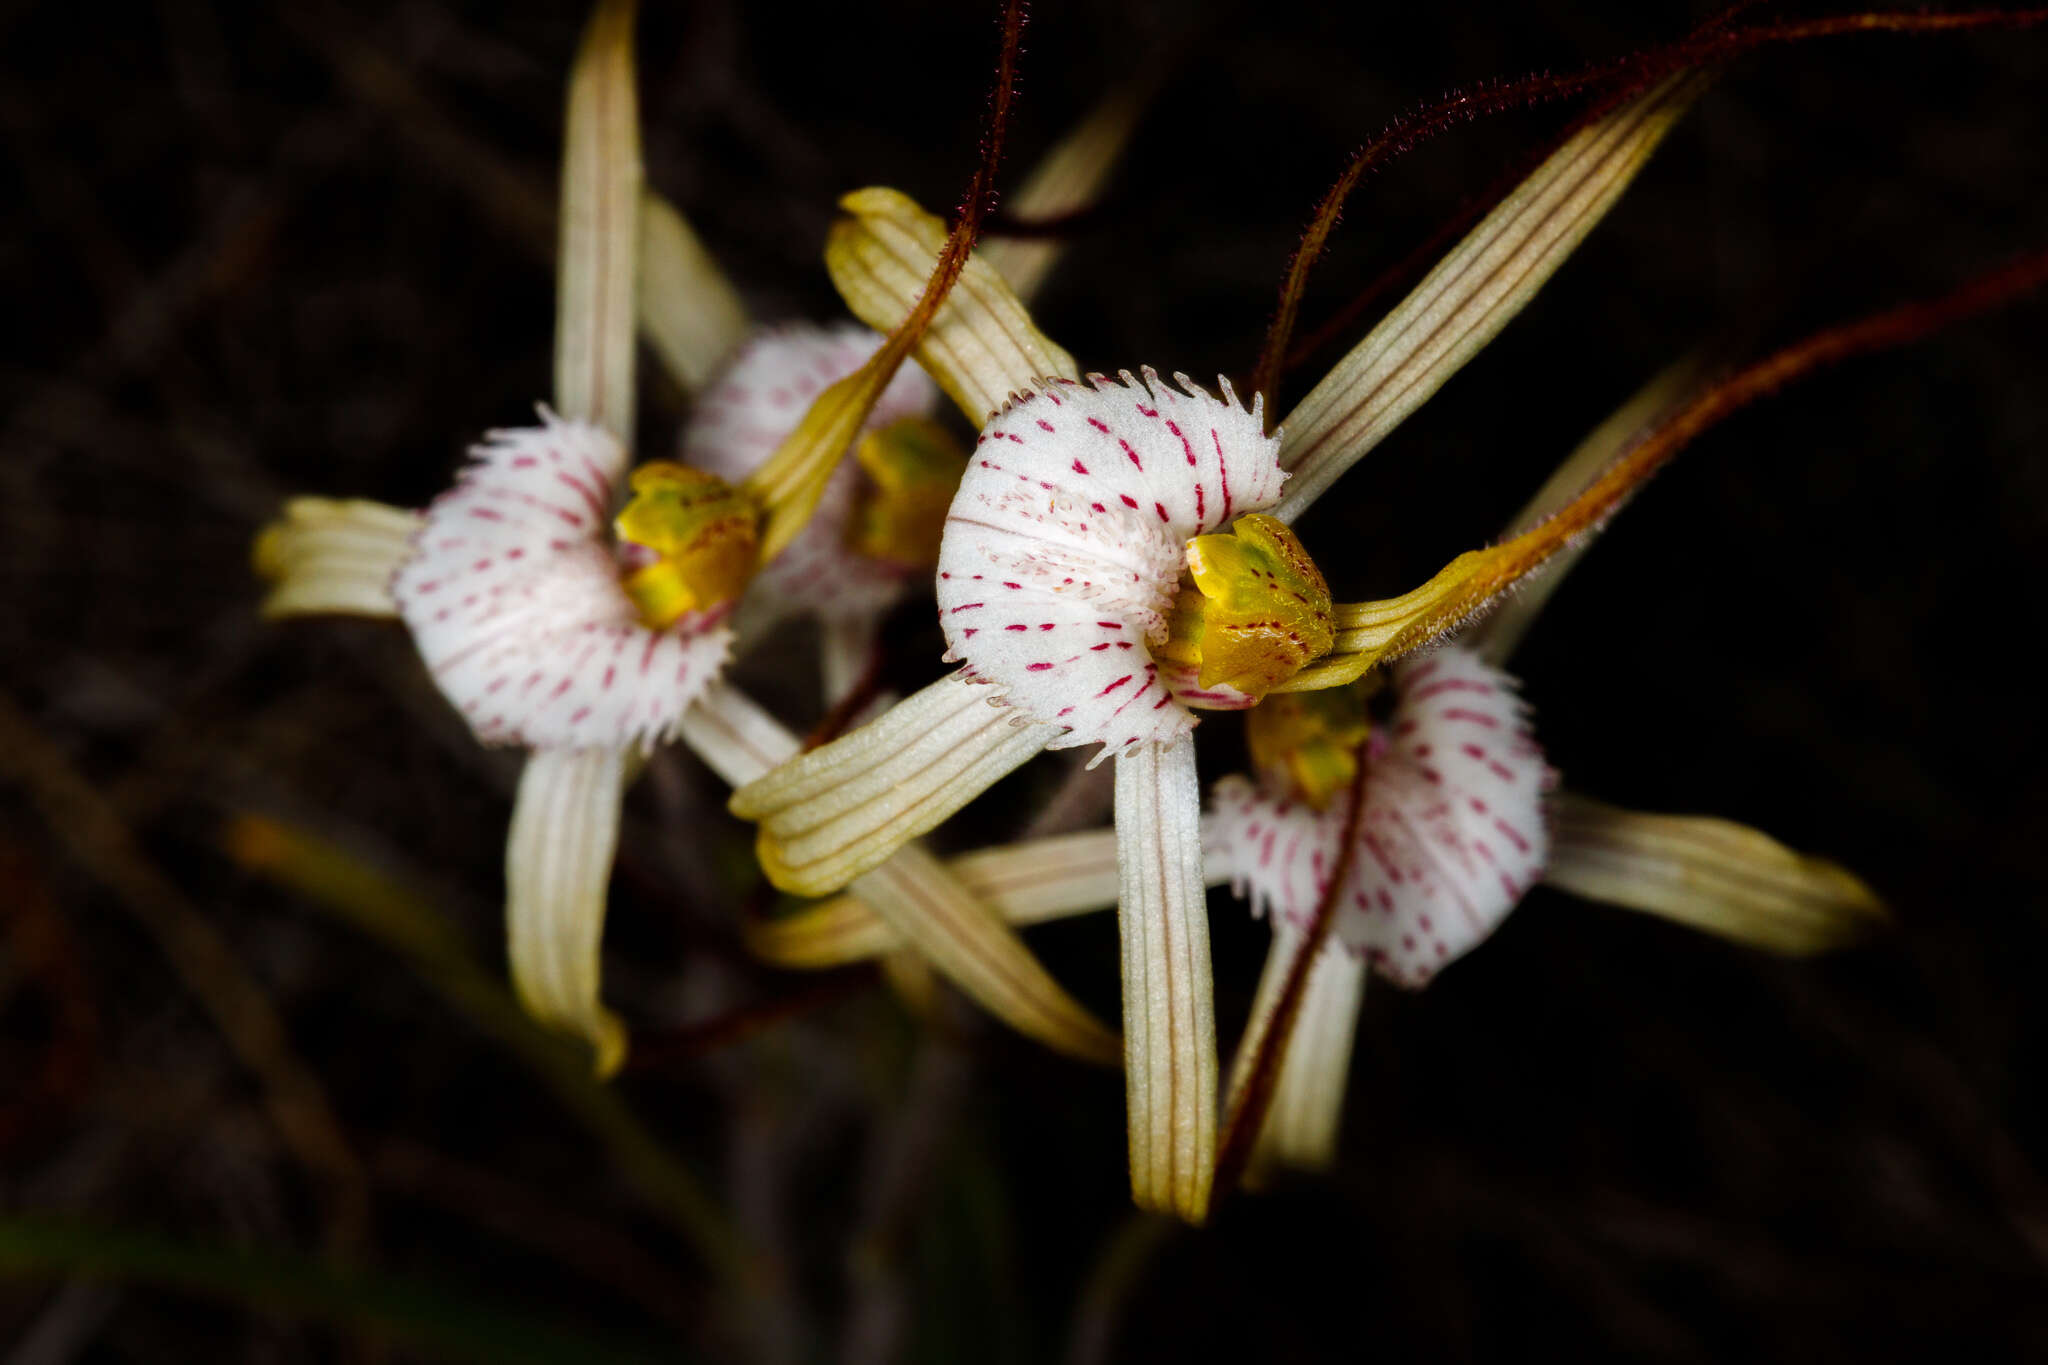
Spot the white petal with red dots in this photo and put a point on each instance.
(1065, 545)
(752, 405)
(1452, 836)
(514, 599)
(1280, 852)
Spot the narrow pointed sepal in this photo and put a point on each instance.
(933, 913)
(1711, 874)
(689, 311)
(334, 556)
(1032, 882)
(1307, 1108)
(1068, 179)
(1483, 283)
(734, 737)
(791, 484)
(1169, 1022)
(596, 300)
(843, 808)
(1496, 635)
(982, 345)
(558, 861)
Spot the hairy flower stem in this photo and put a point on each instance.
(1256, 1075)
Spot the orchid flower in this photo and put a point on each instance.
(1108, 568)
(554, 618)
(1460, 818)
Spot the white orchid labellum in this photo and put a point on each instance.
(1452, 835)
(1079, 576)
(1064, 550)
(514, 594)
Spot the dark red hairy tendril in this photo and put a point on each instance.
(977, 203)
(1716, 40)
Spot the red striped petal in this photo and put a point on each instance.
(1066, 542)
(512, 593)
(1452, 835)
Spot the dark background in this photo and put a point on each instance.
(250, 252)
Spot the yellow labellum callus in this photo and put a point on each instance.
(1369, 633)
(914, 469)
(1307, 743)
(701, 531)
(1258, 613)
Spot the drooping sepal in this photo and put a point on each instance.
(1306, 1109)
(1713, 875)
(938, 917)
(558, 861)
(1169, 1019)
(981, 344)
(1028, 883)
